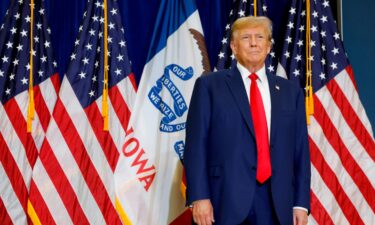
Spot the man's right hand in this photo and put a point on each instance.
(203, 213)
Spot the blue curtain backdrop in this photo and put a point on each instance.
(138, 18)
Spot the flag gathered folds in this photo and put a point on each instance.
(27, 87)
(148, 175)
(340, 135)
(72, 180)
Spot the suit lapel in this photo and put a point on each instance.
(236, 86)
(275, 103)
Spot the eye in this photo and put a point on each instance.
(245, 37)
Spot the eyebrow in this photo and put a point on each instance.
(243, 35)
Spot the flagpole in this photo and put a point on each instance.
(309, 101)
(105, 86)
(31, 106)
(255, 7)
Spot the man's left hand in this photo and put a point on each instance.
(300, 217)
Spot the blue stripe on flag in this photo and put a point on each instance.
(177, 11)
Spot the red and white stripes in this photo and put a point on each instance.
(73, 178)
(20, 149)
(342, 155)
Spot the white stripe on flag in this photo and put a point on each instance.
(355, 148)
(117, 133)
(10, 199)
(49, 94)
(327, 199)
(72, 173)
(22, 150)
(50, 195)
(92, 146)
(346, 84)
(312, 221)
(37, 129)
(334, 162)
(127, 92)
(15, 146)
(281, 71)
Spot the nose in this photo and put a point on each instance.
(253, 40)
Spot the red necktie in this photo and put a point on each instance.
(261, 131)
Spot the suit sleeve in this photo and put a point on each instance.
(195, 154)
(302, 168)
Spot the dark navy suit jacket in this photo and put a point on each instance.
(220, 154)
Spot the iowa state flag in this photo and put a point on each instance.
(148, 175)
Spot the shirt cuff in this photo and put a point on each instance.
(302, 208)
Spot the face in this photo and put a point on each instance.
(251, 47)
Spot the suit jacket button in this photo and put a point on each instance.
(254, 168)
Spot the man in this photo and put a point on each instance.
(247, 164)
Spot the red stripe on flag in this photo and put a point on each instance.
(330, 179)
(62, 185)
(2, 143)
(4, 216)
(19, 125)
(88, 170)
(41, 108)
(120, 106)
(104, 138)
(349, 70)
(40, 207)
(355, 124)
(14, 174)
(186, 218)
(132, 79)
(319, 212)
(55, 79)
(351, 166)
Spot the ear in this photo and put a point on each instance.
(233, 47)
(269, 48)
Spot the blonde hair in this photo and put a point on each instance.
(251, 22)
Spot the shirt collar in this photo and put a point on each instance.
(261, 73)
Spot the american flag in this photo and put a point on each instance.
(341, 139)
(240, 9)
(72, 180)
(18, 148)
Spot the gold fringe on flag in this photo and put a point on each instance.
(33, 215)
(31, 105)
(255, 7)
(105, 87)
(309, 100)
(120, 210)
(183, 190)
